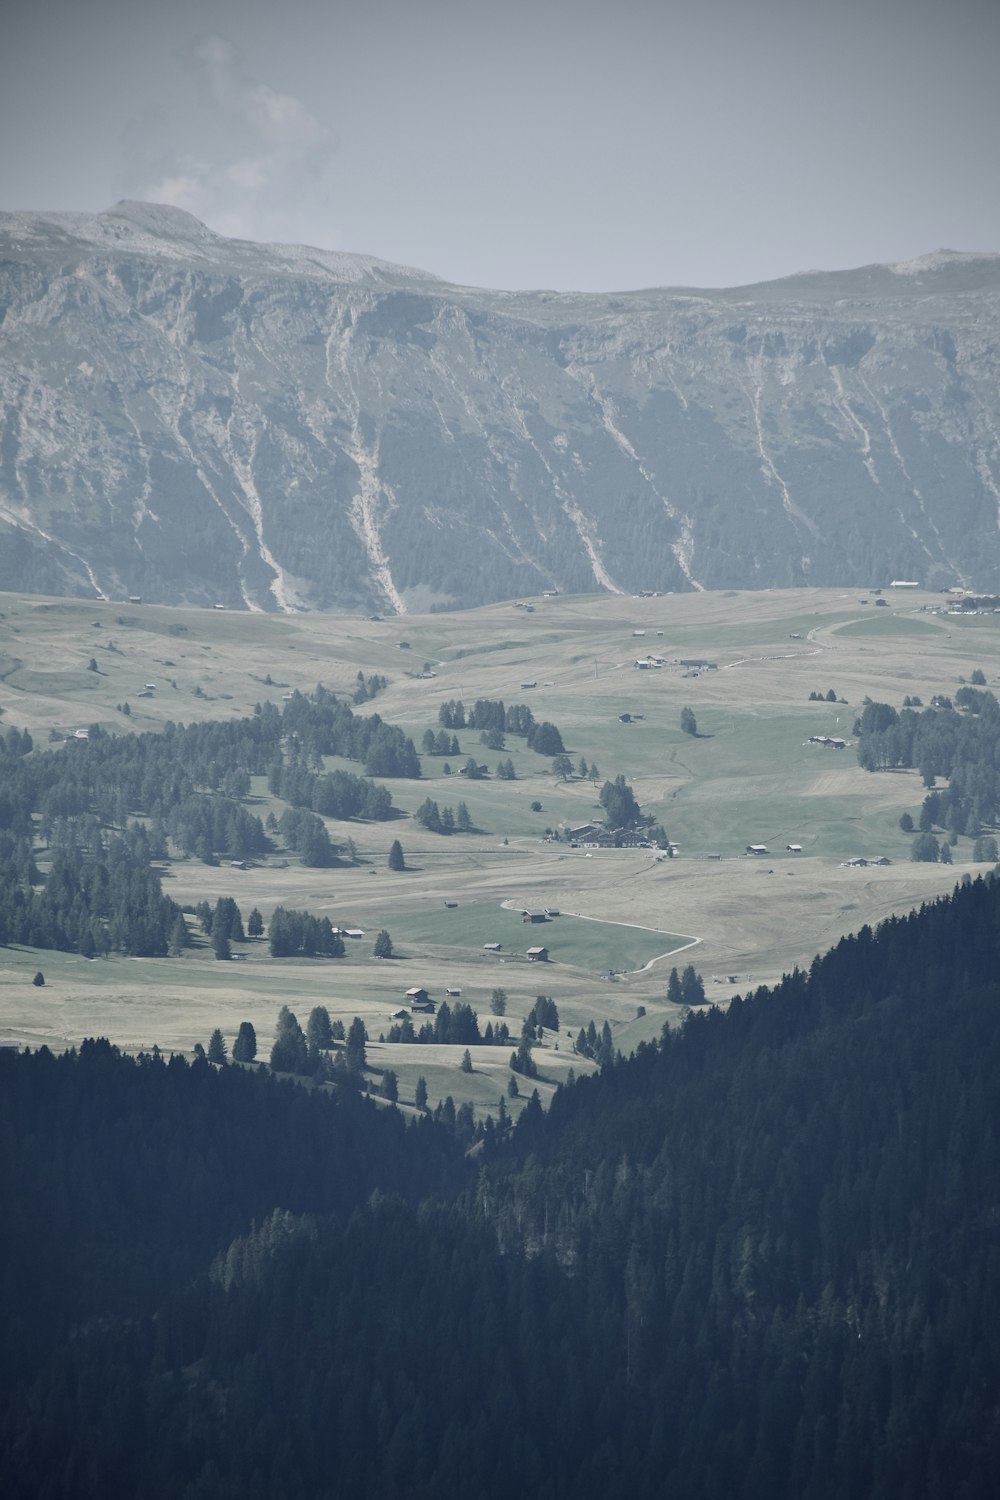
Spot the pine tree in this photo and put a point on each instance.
(354, 1047)
(383, 945)
(466, 1063)
(692, 987)
(290, 1053)
(178, 936)
(216, 1048)
(245, 1045)
(255, 924)
(420, 1093)
(396, 860)
(319, 1033)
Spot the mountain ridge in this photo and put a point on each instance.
(197, 419)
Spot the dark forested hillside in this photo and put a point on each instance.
(758, 1260)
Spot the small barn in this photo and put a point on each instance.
(491, 947)
(533, 916)
(538, 955)
(419, 999)
(756, 848)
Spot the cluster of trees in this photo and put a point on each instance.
(960, 743)
(323, 724)
(441, 743)
(208, 827)
(686, 988)
(458, 1026)
(752, 1260)
(368, 687)
(332, 794)
(307, 1053)
(624, 813)
(544, 1014)
(829, 696)
(100, 895)
(494, 719)
(597, 1045)
(442, 819)
(100, 892)
(306, 834)
(291, 933)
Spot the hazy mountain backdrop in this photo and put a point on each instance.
(198, 419)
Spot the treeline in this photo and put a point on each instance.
(332, 794)
(494, 720)
(960, 743)
(442, 819)
(458, 1026)
(291, 933)
(324, 725)
(100, 895)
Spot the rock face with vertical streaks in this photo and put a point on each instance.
(197, 419)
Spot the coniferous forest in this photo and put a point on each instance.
(759, 1259)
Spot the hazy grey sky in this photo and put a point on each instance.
(568, 144)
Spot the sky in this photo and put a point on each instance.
(567, 144)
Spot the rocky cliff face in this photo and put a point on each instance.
(196, 419)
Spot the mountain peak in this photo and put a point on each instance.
(160, 219)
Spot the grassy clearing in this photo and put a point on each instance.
(887, 623)
(585, 943)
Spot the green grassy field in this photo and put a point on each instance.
(750, 776)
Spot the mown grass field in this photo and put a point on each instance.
(750, 776)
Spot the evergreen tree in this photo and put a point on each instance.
(692, 987)
(319, 1033)
(178, 936)
(689, 724)
(217, 1047)
(498, 1002)
(396, 860)
(466, 1064)
(354, 1048)
(925, 848)
(228, 920)
(245, 1045)
(255, 924)
(420, 1093)
(220, 944)
(383, 945)
(390, 1086)
(290, 1052)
